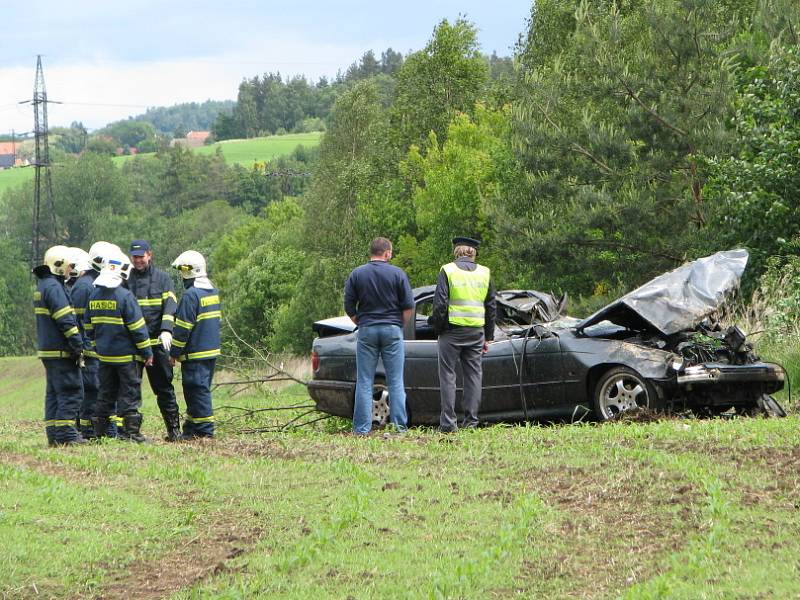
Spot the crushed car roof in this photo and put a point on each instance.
(678, 300)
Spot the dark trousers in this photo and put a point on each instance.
(462, 345)
(62, 399)
(120, 386)
(197, 376)
(160, 377)
(91, 385)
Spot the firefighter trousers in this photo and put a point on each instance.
(120, 385)
(90, 388)
(62, 399)
(160, 377)
(197, 376)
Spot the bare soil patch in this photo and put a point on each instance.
(618, 526)
(205, 555)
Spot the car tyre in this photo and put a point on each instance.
(621, 390)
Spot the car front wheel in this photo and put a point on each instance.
(620, 390)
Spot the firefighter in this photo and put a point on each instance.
(155, 294)
(60, 346)
(196, 343)
(82, 287)
(115, 324)
(97, 252)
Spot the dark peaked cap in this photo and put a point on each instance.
(466, 241)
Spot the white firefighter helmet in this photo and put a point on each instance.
(190, 264)
(116, 269)
(99, 251)
(82, 261)
(59, 260)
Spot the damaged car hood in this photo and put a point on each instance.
(678, 300)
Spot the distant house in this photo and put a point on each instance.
(8, 154)
(197, 137)
(193, 139)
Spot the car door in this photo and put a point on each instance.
(422, 366)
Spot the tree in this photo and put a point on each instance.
(434, 84)
(130, 132)
(616, 103)
(455, 186)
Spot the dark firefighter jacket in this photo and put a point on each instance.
(115, 324)
(80, 293)
(57, 333)
(197, 325)
(155, 294)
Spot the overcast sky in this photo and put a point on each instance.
(159, 53)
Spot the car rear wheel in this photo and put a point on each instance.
(380, 405)
(621, 390)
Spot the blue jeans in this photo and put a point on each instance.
(385, 342)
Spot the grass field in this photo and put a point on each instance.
(10, 178)
(669, 509)
(243, 152)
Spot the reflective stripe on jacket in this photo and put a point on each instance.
(57, 333)
(468, 291)
(197, 325)
(155, 294)
(80, 293)
(115, 324)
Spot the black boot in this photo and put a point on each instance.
(67, 435)
(73, 442)
(131, 424)
(100, 425)
(116, 429)
(173, 423)
(87, 429)
(50, 432)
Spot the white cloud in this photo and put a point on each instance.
(131, 86)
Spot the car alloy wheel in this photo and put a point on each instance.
(621, 390)
(380, 405)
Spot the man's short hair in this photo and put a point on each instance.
(378, 246)
(464, 251)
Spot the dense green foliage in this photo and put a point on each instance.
(757, 189)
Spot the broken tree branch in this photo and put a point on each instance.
(260, 355)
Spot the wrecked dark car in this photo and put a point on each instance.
(657, 347)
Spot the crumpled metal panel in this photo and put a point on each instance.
(678, 300)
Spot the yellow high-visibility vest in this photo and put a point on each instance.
(468, 291)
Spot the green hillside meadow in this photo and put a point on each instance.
(243, 152)
(668, 509)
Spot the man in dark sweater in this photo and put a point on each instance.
(378, 298)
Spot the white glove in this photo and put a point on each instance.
(166, 340)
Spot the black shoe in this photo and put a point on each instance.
(131, 425)
(78, 441)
